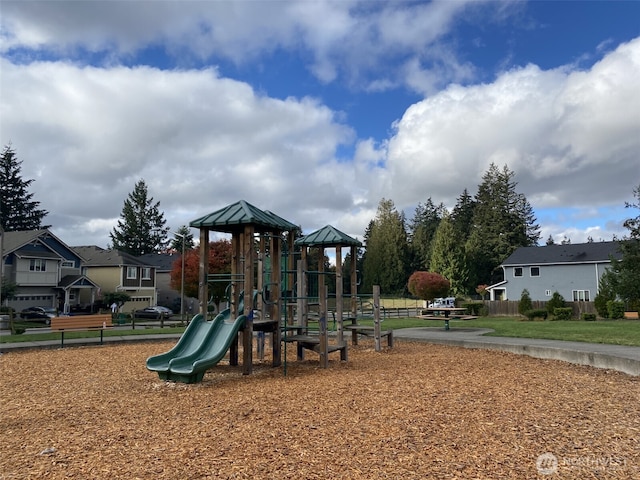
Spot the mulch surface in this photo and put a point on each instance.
(412, 412)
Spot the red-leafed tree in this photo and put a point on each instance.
(428, 285)
(219, 262)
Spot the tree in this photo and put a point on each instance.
(385, 258)
(448, 257)
(525, 304)
(550, 240)
(219, 262)
(422, 229)
(176, 243)
(462, 216)
(18, 210)
(141, 228)
(626, 270)
(428, 285)
(503, 220)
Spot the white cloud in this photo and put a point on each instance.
(199, 142)
(352, 40)
(571, 137)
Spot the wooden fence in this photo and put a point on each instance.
(509, 308)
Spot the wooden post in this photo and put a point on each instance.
(276, 278)
(376, 317)
(324, 334)
(260, 304)
(339, 306)
(354, 283)
(300, 303)
(247, 331)
(203, 272)
(236, 271)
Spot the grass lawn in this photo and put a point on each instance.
(616, 332)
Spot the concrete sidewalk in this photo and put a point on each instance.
(615, 357)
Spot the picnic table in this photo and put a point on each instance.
(446, 313)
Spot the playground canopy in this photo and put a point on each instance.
(328, 236)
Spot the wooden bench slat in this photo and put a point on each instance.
(81, 323)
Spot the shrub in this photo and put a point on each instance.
(428, 285)
(600, 302)
(563, 313)
(589, 317)
(525, 303)
(557, 301)
(473, 308)
(534, 313)
(615, 310)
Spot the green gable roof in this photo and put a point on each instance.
(328, 236)
(235, 216)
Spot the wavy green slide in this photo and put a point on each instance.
(202, 345)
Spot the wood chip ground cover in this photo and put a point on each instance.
(413, 412)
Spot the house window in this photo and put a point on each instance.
(146, 273)
(132, 273)
(581, 296)
(547, 293)
(535, 271)
(517, 272)
(67, 264)
(37, 265)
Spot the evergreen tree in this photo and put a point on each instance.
(423, 228)
(448, 258)
(462, 216)
(385, 259)
(503, 221)
(626, 270)
(176, 243)
(18, 210)
(550, 240)
(141, 228)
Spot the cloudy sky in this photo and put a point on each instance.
(318, 109)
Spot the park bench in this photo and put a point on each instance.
(81, 323)
(367, 331)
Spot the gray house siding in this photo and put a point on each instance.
(573, 270)
(581, 279)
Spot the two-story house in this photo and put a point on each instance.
(47, 272)
(117, 271)
(573, 270)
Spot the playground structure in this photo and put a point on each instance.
(270, 262)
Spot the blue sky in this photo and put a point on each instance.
(318, 109)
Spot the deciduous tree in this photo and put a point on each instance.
(428, 285)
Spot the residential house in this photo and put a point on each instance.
(47, 272)
(117, 271)
(163, 262)
(573, 270)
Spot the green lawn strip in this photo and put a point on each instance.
(37, 337)
(618, 332)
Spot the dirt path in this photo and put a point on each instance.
(416, 411)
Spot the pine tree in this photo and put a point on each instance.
(141, 228)
(17, 209)
(423, 228)
(176, 243)
(462, 216)
(448, 258)
(626, 270)
(503, 221)
(385, 258)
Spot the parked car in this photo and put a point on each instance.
(154, 312)
(449, 302)
(43, 314)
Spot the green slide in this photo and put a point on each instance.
(191, 368)
(192, 338)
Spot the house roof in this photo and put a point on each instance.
(95, 256)
(328, 236)
(235, 216)
(162, 261)
(593, 252)
(36, 244)
(76, 281)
